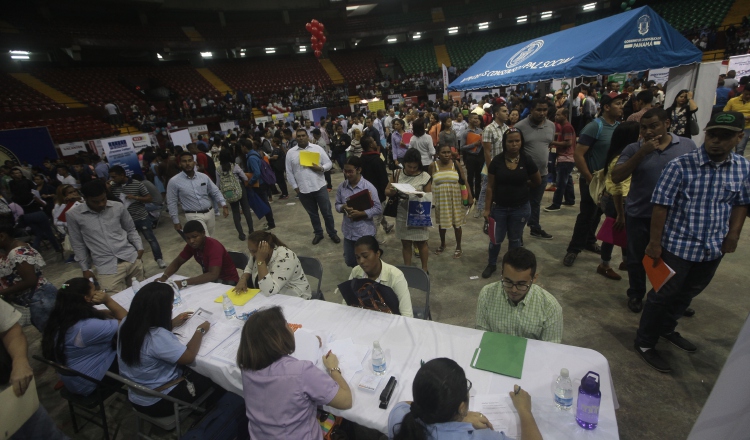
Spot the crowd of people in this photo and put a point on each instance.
(638, 168)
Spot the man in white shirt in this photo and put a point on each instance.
(310, 185)
(388, 122)
(63, 175)
(357, 123)
(114, 114)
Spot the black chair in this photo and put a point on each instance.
(418, 279)
(92, 406)
(181, 408)
(239, 259)
(313, 268)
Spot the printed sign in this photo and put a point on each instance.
(120, 151)
(72, 148)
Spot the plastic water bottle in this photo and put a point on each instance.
(564, 390)
(177, 297)
(229, 311)
(135, 284)
(589, 398)
(378, 359)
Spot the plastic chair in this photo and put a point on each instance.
(239, 259)
(418, 279)
(181, 408)
(92, 405)
(313, 268)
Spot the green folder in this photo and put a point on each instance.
(501, 354)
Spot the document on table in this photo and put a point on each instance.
(227, 352)
(406, 188)
(498, 408)
(185, 331)
(350, 356)
(307, 347)
(216, 335)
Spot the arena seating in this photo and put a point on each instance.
(588, 17)
(18, 97)
(357, 66)
(686, 14)
(414, 58)
(67, 129)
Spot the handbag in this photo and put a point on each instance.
(391, 205)
(418, 213)
(371, 295)
(694, 127)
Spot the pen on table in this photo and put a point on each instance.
(327, 354)
(518, 390)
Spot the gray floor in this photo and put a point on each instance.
(652, 405)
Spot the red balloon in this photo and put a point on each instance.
(322, 38)
(314, 30)
(318, 46)
(314, 22)
(313, 39)
(308, 26)
(321, 27)
(318, 54)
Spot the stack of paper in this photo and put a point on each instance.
(498, 409)
(406, 188)
(219, 332)
(350, 356)
(185, 331)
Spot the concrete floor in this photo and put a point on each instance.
(652, 405)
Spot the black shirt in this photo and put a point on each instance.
(511, 186)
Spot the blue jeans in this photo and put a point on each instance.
(40, 303)
(639, 234)
(340, 159)
(319, 200)
(510, 221)
(40, 226)
(145, 226)
(564, 184)
(349, 257)
(535, 200)
(551, 169)
(153, 208)
(743, 143)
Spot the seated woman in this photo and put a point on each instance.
(273, 268)
(282, 393)
(21, 276)
(81, 337)
(441, 408)
(369, 254)
(151, 355)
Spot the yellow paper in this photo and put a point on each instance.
(17, 410)
(241, 299)
(308, 158)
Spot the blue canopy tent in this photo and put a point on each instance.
(631, 41)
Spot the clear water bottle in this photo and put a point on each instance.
(378, 359)
(564, 390)
(589, 398)
(177, 296)
(135, 284)
(229, 311)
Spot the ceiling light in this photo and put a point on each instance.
(547, 14)
(20, 52)
(522, 19)
(159, 56)
(484, 25)
(392, 40)
(352, 8)
(270, 50)
(589, 6)
(19, 57)
(302, 49)
(207, 54)
(453, 30)
(242, 50)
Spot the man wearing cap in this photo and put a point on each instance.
(700, 204)
(590, 156)
(741, 104)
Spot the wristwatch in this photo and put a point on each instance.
(183, 283)
(260, 263)
(201, 329)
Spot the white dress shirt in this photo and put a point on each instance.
(304, 178)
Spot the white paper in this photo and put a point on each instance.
(215, 336)
(185, 331)
(307, 347)
(498, 408)
(125, 200)
(350, 356)
(370, 382)
(227, 352)
(17, 410)
(406, 188)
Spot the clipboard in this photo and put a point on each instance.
(308, 158)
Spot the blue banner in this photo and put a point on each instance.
(30, 145)
(120, 151)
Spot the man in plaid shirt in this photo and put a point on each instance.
(700, 205)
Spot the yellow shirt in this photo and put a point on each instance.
(622, 188)
(737, 105)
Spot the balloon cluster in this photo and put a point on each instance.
(626, 5)
(317, 39)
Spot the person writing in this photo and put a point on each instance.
(273, 268)
(213, 257)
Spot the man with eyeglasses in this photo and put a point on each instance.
(516, 306)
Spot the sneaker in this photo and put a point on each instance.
(608, 272)
(552, 208)
(487, 272)
(476, 213)
(486, 227)
(539, 233)
(570, 258)
(653, 359)
(678, 341)
(635, 305)
(161, 263)
(688, 313)
(269, 227)
(283, 197)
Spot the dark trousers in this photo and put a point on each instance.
(40, 226)
(551, 170)
(264, 192)
(164, 408)
(587, 221)
(340, 159)
(281, 181)
(510, 221)
(564, 184)
(327, 176)
(350, 258)
(319, 200)
(639, 234)
(663, 308)
(474, 163)
(145, 226)
(535, 200)
(242, 207)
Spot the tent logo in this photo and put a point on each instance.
(523, 54)
(643, 24)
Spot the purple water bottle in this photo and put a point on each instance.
(589, 398)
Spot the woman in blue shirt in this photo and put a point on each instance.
(151, 355)
(88, 334)
(440, 409)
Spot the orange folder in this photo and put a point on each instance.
(471, 138)
(658, 275)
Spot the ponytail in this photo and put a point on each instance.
(410, 428)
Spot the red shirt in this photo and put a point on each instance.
(565, 133)
(213, 254)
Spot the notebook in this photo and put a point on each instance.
(360, 201)
(239, 299)
(659, 275)
(501, 354)
(471, 138)
(308, 158)
(608, 234)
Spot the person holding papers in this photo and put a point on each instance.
(440, 409)
(700, 205)
(358, 200)
(308, 181)
(273, 268)
(213, 257)
(282, 393)
(150, 354)
(516, 306)
(81, 337)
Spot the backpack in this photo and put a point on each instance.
(230, 186)
(266, 172)
(367, 294)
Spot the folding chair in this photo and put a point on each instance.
(92, 405)
(312, 267)
(418, 279)
(239, 259)
(181, 408)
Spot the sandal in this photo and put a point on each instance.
(457, 254)
(439, 250)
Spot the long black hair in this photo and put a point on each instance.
(625, 134)
(151, 307)
(674, 103)
(70, 307)
(439, 388)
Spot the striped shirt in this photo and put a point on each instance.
(493, 134)
(194, 194)
(136, 208)
(354, 229)
(537, 316)
(700, 195)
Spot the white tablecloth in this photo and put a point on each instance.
(405, 342)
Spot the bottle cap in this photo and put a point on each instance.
(564, 372)
(589, 383)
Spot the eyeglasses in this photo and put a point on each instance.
(521, 287)
(468, 385)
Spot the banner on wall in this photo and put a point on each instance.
(180, 137)
(445, 82)
(120, 151)
(70, 149)
(376, 105)
(197, 130)
(262, 119)
(659, 76)
(740, 64)
(288, 117)
(226, 126)
(141, 141)
(14, 145)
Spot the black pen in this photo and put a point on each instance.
(518, 390)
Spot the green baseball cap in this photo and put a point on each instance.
(734, 121)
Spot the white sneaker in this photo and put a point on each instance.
(161, 263)
(476, 214)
